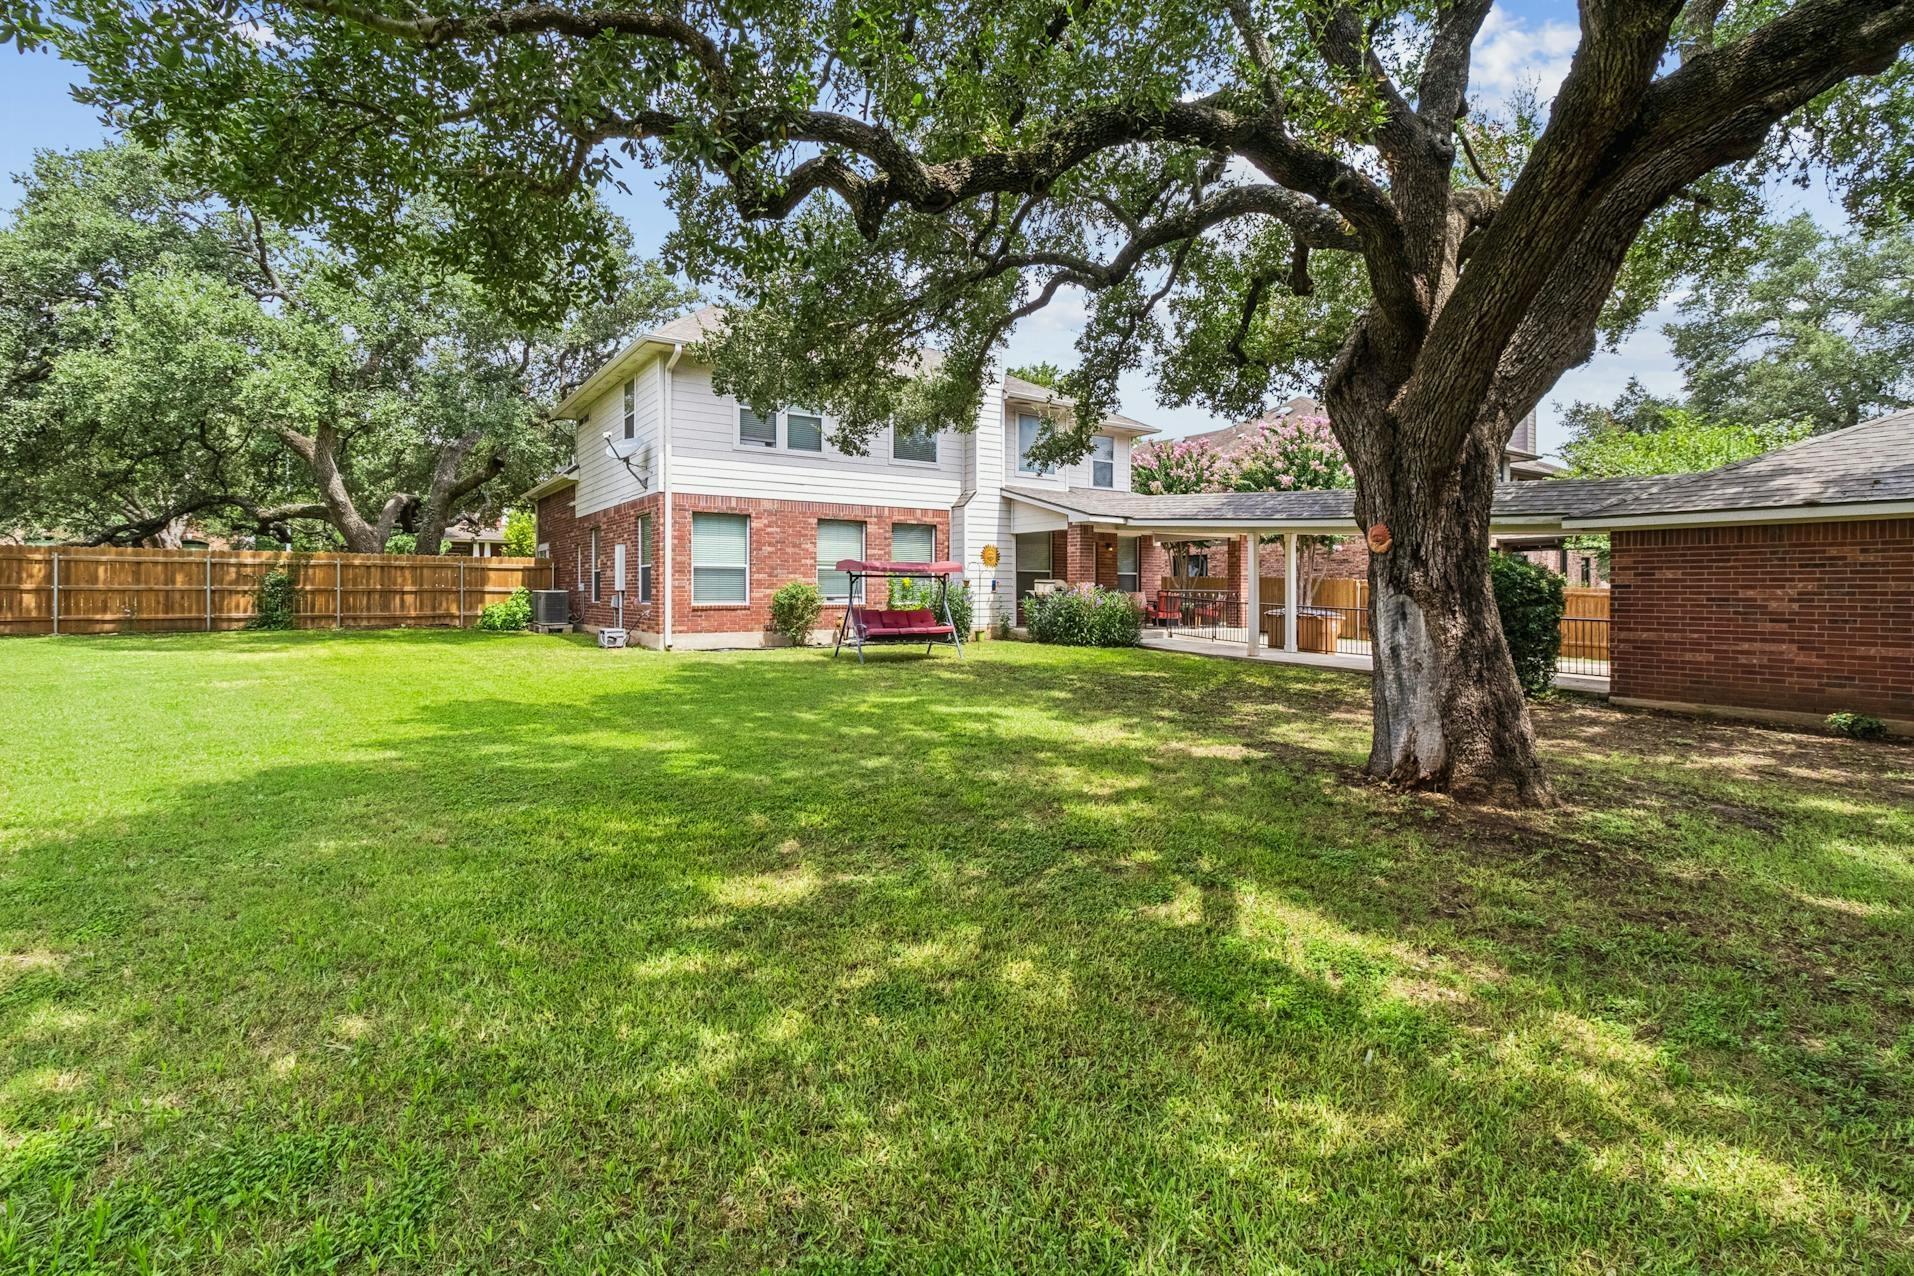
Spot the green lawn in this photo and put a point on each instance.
(455, 951)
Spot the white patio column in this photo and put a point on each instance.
(1253, 618)
(1290, 592)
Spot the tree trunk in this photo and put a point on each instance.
(1449, 713)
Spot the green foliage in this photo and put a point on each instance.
(1857, 726)
(907, 592)
(275, 601)
(165, 357)
(1530, 601)
(1086, 616)
(521, 532)
(794, 611)
(1048, 375)
(1818, 329)
(1683, 444)
(514, 612)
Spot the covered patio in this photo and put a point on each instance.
(1776, 587)
(1235, 610)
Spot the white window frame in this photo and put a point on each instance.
(856, 594)
(746, 564)
(1023, 466)
(631, 408)
(748, 445)
(809, 416)
(1136, 548)
(936, 452)
(595, 574)
(644, 559)
(1102, 441)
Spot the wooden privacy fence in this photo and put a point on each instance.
(74, 590)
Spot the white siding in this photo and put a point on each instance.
(984, 519)
(603, 481)
(706, 458)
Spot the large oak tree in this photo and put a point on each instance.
(1249, 190)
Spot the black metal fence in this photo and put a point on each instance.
(1584, 647)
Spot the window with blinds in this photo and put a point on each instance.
(837, 540)
(1129, 577)
(644, 558)
(596, 576)
(913, 542)
(1103, 461)
(755, 430)
(720, 558)
(911, 445)
(803, 432)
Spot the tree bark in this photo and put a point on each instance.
(1448, 711)
(447, 487)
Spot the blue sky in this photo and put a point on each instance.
(1521, 42)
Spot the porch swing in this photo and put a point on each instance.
(872, 626)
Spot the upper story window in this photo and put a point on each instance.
(1028, 429)
(911, 445)
(631, 408)
(803, 432)
(755, 430)
(1103, 461)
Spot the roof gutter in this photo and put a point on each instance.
(1853, 511)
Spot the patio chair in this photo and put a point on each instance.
(1164, 611)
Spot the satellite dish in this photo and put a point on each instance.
(625, 454)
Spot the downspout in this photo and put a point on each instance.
(664, 480)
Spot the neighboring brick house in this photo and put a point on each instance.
(710, 508)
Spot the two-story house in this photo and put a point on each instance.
(689, 510)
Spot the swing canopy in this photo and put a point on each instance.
(860, 567)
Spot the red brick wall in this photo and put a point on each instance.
(783, 549)
(1804, 618)
(568, 537)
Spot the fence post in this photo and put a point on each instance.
(338, 592)
(461, 593)
(56, 591)
(209, 589)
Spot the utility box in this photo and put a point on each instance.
(610, 638)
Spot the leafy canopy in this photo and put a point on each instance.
(1254, 195)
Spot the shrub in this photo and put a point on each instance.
(275, 604)
(795, 609)
(906, 592)
(514, 613)
(1857, 726)
(1530, 601)
(1087, 616)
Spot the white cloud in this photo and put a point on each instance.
(1510, 53)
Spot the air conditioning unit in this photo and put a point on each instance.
(551, 609)
(1049, 586)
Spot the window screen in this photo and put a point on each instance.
(1129, 579)
(1103, 465)
(720, 558)
(758, 431)
(837, 540)
(909, 445)
(803, 432)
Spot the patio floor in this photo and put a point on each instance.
(1229, 643)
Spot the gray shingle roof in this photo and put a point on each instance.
(1871, 463)
(1863, 464)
